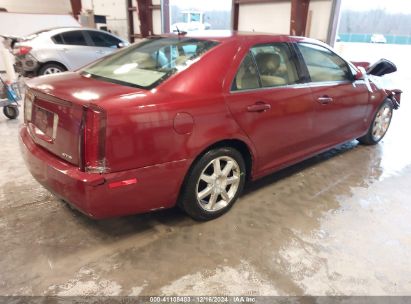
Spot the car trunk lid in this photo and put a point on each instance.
(55, 111)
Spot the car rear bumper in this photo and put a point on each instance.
(26, 64)
(156, 186)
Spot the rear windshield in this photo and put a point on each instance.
(147, 64)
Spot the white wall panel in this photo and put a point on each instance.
(36, 6)
(320, 19)
(265, 17)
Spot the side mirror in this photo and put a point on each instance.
(120, 45)
(382, 67)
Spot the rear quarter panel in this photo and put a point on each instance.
(141, 129)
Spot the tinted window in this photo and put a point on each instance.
(247, 77)
(103, 40)
(323, 64)
(58, 39)
(73, 38)
(150, 62)
(275, 66)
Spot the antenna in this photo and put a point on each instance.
(179, 33)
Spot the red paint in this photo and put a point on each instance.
(154, 136)
(122, 183)
(183, 123)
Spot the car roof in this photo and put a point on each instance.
(228, 35)
(57, 30)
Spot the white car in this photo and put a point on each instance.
(63, 49)
(378, 38)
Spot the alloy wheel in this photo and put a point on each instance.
(381, 122)
(218, 183)
(52, 70)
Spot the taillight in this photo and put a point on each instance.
(28, 105)
(22, 50)
(94, 140)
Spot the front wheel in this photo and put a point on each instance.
(380, 124)
(213, 184)
(11, 112)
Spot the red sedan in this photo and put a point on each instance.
(187, 119)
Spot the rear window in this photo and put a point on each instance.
(150, 62)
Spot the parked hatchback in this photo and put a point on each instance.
(63, 49)
(187, 120)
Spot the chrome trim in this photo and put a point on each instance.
(290, 86)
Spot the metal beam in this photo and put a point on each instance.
(334, 21)
(130, 20)
(146, 17)
(75, 7)
(299, 12)
(144, 11)
(235, 15)
(166, 15)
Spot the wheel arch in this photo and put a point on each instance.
(51, 62)
(238, 144)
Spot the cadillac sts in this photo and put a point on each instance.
(187, 120)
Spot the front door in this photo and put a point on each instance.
(272, 106)
(341, 102)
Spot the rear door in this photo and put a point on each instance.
(341, 101)
(103, 44)
(75, 48)
(272, 105)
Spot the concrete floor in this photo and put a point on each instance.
(337, 224)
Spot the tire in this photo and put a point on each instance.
(51, 68)
(11, 112)
(379, 125)
(207, 193)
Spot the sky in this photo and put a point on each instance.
(391, 6)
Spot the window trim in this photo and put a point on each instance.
(305, 67)
(293, 58)
(285, 86)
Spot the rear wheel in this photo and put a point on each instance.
(51, 68)
(380, 124)
(11, 112)
(213, 184)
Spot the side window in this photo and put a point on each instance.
(275, 66)
(323, 64)
(103, 40)
(57, 39)
(247, 77)
(73, 38)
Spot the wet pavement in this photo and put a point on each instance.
(336, 224)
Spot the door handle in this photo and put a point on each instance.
(325, 99)
(100, 52)
(259, 107)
